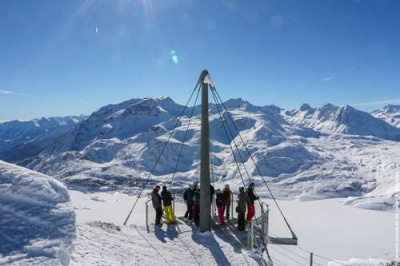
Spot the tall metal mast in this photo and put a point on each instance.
(205, 197)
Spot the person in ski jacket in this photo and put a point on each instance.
(212, 193)
(227, 200)
(156, 201)
(167, 202)
(196, 206)
(220, 202)
(251, 197)
(241, 209)
(188, 198)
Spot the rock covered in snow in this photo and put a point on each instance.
(37, 225)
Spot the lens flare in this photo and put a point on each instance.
(174, 57)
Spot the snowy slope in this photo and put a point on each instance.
(22, 139)
(330, 119)
(122, 121)
(390, 114)
(304, 153)
(15, 133)
(37, 225)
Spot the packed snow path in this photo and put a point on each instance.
(100, 243)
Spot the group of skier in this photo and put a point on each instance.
(245, 201)
(160, 200)
(223, 202)
(191, 196)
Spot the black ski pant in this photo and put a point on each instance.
(196, 214)
(227, 210)
(241, 221)
(158, 215)
(189, 211)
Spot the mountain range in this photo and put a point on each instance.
(307, 153)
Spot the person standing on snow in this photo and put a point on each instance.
(156, 200)
(227, 200)
(167, 201)
(196, 206)
(188, 197)
(212, 192)
(220, 202)
(251, 197)
(241, 209)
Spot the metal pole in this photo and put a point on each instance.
(267, 227)
(252, 237)
(173, 203)
(147, 218)
(205, 212)
(249, 236)
(311, 258)
(232, 205)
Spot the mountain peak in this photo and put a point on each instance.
(162, 98)
(305, 107)
(235, 103)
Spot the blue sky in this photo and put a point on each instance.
(71, 57)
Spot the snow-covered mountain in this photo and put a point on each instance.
(390, 114)
(16, 134)
(37, 225)
(330, 119)
(306, 153)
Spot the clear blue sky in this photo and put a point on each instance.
(71, 57)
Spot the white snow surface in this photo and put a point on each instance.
(336, 233)
(37, 221)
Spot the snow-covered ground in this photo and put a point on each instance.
(37, 223)
(37, 227)
(333, 231)
(99, 241)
